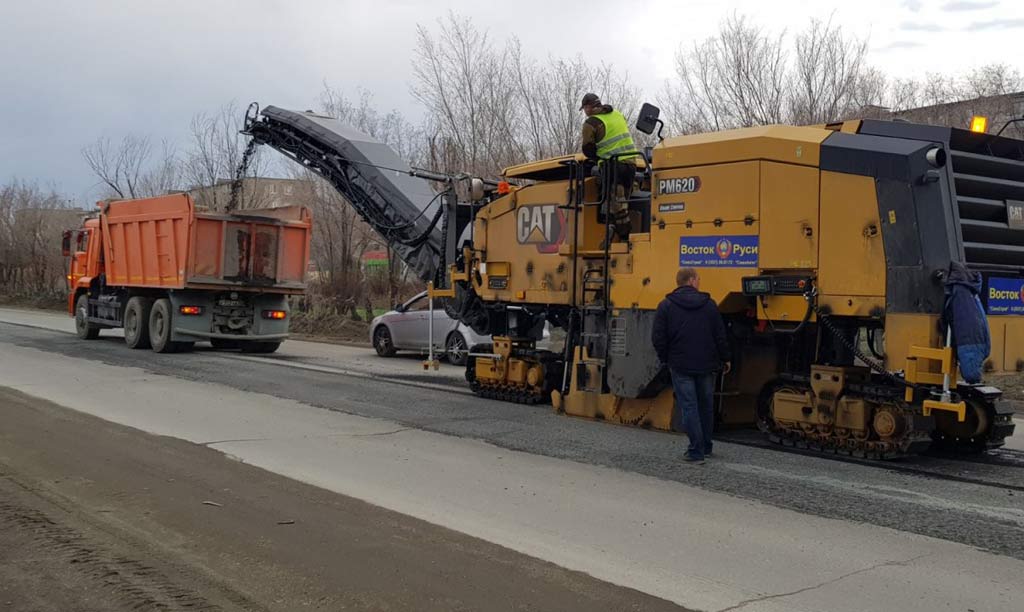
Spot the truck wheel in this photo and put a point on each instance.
(260, 347)
(84, 329)
(160, 326)
(382, 342)
(136, 322)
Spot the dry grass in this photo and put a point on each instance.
(41, 303)
(327, 323)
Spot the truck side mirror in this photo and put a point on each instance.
(65, 244)
(648, 120)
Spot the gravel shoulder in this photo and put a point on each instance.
(97, 516)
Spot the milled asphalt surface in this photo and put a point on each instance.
(985, 516)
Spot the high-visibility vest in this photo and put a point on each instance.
(617, 139)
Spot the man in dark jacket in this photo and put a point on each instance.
(689, 337)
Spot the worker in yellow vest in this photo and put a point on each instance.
(606, 135)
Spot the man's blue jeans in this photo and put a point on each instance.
(695, 410)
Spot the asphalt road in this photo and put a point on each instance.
(754, 529)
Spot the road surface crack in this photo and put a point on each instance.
(234, 440)
(381, 433)
(747, 602)
(337, 435)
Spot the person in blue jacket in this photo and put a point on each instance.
(689, 337)
(965, 314)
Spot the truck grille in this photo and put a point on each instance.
(985, 178)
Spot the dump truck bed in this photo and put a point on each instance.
(167, 243)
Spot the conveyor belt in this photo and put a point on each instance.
(401, 207)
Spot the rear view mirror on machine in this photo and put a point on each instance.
(648, 118)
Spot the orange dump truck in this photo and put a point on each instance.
(172, 274)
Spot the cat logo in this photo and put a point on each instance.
(542, 225)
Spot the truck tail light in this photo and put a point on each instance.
(274, 314)
(191, 310)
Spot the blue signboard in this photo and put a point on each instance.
(718, 251)
(1005, 296)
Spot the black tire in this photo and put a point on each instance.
(224, 344)
(260, 347)
(456, 349)
(84, 329)
(382, 342)
(136, 322)
(161, 324)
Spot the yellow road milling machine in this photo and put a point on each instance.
(827, 249)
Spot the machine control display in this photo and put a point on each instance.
(776, 285)
(757, 285)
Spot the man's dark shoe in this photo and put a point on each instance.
(692, 459)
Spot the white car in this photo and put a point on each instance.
(407, 328)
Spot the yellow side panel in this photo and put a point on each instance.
(852, 259)
(728, 192)
(905, 330)
(1013, 342)
(522, 235)
(853, 305)
(789, 217)
(998, 355)
(645, 283)
(794, 145)
(662, 261)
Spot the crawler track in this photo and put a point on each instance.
(994, 471)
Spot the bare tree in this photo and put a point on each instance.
(993, 80)
(31, 221)
(829, 68)
(391, 128)
(213, 158)
(490, 106)
(130, 169)
(752, 71)
(734, 79)
(120, 167)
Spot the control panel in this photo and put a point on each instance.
(776, 285)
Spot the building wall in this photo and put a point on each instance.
(998, 109)
(256, 192)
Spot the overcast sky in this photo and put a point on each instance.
(74, 70)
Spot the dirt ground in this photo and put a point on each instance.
(95, 516)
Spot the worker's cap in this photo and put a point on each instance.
(591, 99)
